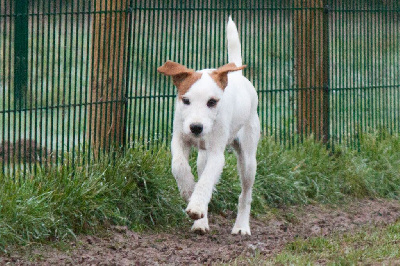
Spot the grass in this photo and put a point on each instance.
(137, 189)
(369, 245)
(55, 205)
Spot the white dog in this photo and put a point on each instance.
(214, 109)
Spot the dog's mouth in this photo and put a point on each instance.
(197, 135)
(197, 142)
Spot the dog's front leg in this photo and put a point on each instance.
(197, 207)
(181, 168)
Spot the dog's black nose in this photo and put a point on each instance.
(196, 128)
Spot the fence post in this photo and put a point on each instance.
(20, 52)
(107, 110)
(326, 70)
(312, 68)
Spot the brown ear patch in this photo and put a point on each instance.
(182, 76)
(220, 75)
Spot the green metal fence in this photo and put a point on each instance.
(78, 75)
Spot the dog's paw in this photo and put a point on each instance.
(195, 211)
(201, 226)
(241, 230)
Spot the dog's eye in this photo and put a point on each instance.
(185, 101)
(212, 103)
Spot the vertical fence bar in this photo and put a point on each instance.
(20, 52)
(325, 74)
(3, 144)
(88, 71)
(124, 136)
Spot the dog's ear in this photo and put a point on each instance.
(220, 75)
(182, 76)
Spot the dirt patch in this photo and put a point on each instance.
(124, 247)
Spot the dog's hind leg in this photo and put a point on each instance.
(246, 149)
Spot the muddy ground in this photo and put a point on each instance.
(269, 235)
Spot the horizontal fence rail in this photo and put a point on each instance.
(78, 78)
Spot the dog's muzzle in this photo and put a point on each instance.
(196, 129)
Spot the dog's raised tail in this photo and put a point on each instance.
(234, 48)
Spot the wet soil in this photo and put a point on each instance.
(269, 235)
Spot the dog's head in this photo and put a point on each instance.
(198, 94)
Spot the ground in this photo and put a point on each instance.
(270, 234)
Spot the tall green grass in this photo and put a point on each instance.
(137, 189)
